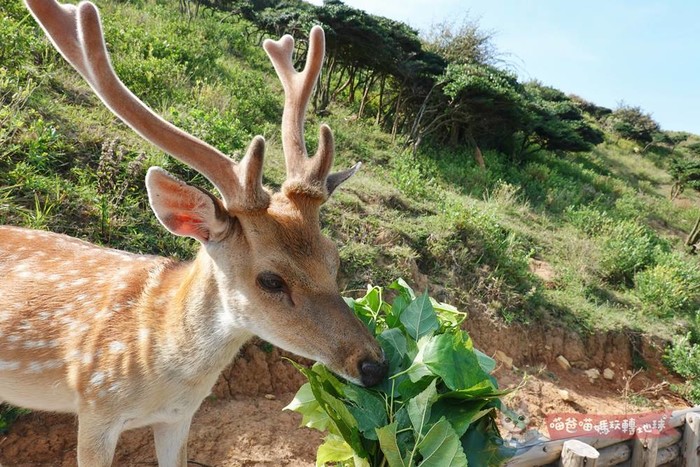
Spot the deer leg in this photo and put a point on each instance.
(97, 440)
(171, 443)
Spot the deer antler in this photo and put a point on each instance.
(76, 32)
(305, 175)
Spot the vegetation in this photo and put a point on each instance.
(469, 173)
(437, 406)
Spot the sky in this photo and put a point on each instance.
(637, 52)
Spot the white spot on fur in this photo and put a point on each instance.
(8, 365)
(97, 378)
(144, 333)
(25, 275)
(35, 344)
(39, 367)
(116, 347)
(43, 315)
(79, 282)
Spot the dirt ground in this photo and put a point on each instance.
(243, 423)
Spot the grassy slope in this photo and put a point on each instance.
(66, 164)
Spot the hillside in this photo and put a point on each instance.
(551, 252)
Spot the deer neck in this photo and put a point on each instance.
(200, 328)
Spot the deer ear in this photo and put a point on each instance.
(335, 179)
(183, 209)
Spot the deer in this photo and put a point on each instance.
(126, 340)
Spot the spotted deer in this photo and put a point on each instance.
(127, 340)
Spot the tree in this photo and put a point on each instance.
(633, 123)
(473, 104)
(464, 43)
(554, 121)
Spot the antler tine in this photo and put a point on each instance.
(76, 32)
(297, 91)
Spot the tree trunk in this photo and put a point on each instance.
(694, 235)
(479, 157)
(378, 120)
(395, 126)
(369, 82)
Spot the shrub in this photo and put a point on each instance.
(683, 357)
(671, 286)
(626, 249)
(633, 123)
(589, 220)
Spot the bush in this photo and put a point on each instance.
(672, 286)
(626, 249)
(633, 123)
(683, 357)
(589, 220)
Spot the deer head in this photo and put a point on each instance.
(263, 255)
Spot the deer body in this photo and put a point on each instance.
(128, 340)
(97, 325)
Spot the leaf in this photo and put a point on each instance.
(487, 363)
(403, 299)
(369, 410)
(333, 449)
(305, 403)
(337, 411)
(389, 445)
(419, 408)
(441, 447)
(373, 298)
(483, 444)
(448, 315)
(418, 370)
(393, 343)
(419, 317)
(460, 413)
(452, 357)
(403, 288)
(408, 389)
(404, 432)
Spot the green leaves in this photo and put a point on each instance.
(452, 357)
(441, 447)
(419, 317)
(439, 392)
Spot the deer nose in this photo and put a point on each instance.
(372, 372)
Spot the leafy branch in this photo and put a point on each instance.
(436, 408)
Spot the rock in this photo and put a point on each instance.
(563, 362)
(565, 396)
(608, 374)
(270, 397)
(592, 374)
(503, 358)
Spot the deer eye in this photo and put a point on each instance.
(271, 282)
